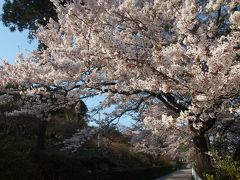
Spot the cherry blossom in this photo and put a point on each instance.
(174, 62)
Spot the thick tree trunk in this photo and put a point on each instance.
(41, 136)
(202, 159)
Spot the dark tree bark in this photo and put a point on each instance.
(202, 159)
(41, 136)
(236, 154)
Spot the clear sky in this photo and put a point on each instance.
(12, 43)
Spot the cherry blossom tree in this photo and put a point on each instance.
(40, 103)
(174, 62)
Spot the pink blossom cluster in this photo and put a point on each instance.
(175, 63)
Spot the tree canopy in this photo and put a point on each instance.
(23, 14)
(174, 62)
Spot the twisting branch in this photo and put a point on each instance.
(134, 108)
(166, 98)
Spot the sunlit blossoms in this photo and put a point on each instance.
(235, 18)
(78, 139)
(174, 62)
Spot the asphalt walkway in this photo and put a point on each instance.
(182, 174)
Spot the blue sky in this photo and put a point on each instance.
(12, 43)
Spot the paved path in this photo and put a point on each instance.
(182, 174)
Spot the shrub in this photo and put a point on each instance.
(225, 168)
